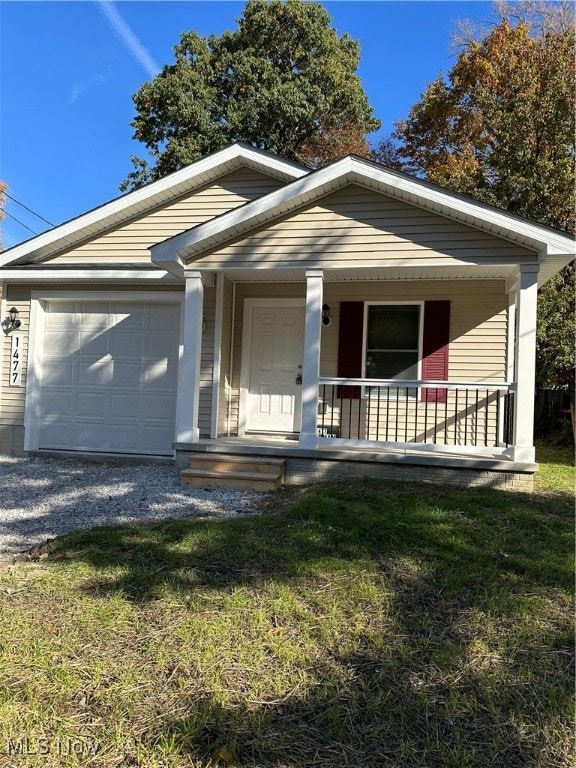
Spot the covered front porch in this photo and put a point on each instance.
(262, 362)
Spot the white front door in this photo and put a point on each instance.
(274, 369)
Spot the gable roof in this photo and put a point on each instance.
(140, 201)
(554, 248)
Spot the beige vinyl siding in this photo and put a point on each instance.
(478, 322)
(357, 225)
(225, 389)
(12, 399)
(130, 242)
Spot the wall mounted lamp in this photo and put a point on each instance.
(12, 322)
(326, 319)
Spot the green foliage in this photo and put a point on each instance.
(282, 81)
(556, 331)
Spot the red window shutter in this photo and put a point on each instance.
(350, 335)
(435, 346)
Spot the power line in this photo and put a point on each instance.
(28, 209)
(19, 222)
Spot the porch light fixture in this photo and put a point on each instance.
(13, 322)
(326, 319)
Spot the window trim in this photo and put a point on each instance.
(419, 304)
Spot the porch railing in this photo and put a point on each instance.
(438, 415)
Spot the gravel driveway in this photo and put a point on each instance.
(43, 497)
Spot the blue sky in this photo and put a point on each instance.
(68, 70)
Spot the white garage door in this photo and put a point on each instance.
(109, 374)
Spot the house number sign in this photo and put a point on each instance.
(16, 360)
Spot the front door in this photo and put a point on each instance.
(274, 398)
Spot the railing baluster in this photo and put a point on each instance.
(476, 420)
(406, 415)
(504, 437)
(368, 413)
(397, 406)
(425, 415)
(435, 417)
(466, 419)
(486, 414)
(446, 417)
(387, 410)
(416, 417)
(455, 416)
(378, 415)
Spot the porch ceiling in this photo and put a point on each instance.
(493, 272)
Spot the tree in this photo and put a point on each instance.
(556, 331)
(501, 128)
(282, 81)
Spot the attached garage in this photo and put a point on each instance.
(106, 376)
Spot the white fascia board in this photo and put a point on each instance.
(353, 170)
(39, 275)
(202, 171)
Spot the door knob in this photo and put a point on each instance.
(299, 379)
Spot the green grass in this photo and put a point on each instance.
(365, 624)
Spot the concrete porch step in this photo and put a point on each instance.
(233, 472)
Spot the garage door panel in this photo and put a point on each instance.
(59, 342)
(91, 435)
(129, 316)
(92, 343)
(58, 372)
(126, 374)
(152, 435)
(157, 374)
(94, 371)
(58, 432)
(126, 344)
(124, 405)
(109, 376)
(161, 318)
(61, 312)
(158, 407)
(62, 404)
(90, 403)
(124, 437)
(155, 345)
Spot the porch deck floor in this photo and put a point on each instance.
(287, 446)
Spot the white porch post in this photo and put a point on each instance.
(187, 430)
(511, 336)
(523, 445)
(311, 363)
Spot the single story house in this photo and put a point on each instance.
(351, 319)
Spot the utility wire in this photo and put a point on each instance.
(28, 209)
(19, 222)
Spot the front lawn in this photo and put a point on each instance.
(361, 625)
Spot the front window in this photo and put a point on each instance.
(392, 342)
